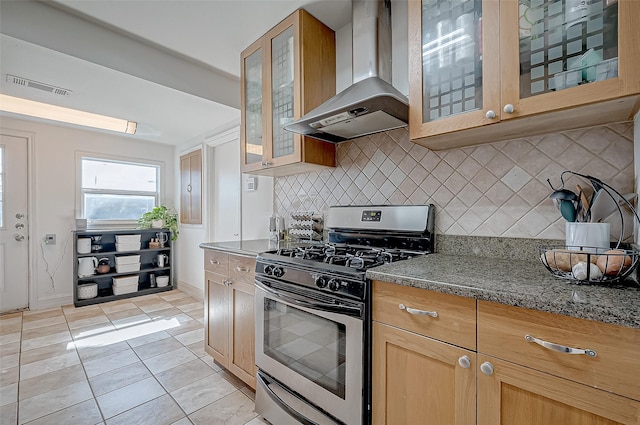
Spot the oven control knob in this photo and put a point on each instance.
(269, 270)
(278, 271)
(321, 281)
(335, 284)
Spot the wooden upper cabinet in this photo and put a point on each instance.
(284, 75)
(487, 70)
(191, 188)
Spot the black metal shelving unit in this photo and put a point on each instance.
(147, 264)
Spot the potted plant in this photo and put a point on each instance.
(158, 218)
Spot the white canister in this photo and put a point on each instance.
(587, 236)
(84, 245)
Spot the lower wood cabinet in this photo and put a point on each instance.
(512, 394)
(229, 313)
(419, 380)
(421, 375)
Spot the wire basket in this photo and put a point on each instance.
(582, 264)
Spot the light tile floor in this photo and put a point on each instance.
(134, 361)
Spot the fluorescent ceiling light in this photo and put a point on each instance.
(58, 113)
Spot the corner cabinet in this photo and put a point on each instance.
(102, 246)
(458, 361)
(229, 312)
(284, 75)
(487, 70)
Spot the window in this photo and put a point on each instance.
(117, 190)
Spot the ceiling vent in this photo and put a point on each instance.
(20, 81)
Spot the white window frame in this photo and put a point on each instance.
(80, 192)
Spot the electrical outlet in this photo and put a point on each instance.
(50, 239)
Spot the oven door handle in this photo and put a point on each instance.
(264, 382)
(304, 302)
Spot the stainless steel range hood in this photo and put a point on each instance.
(371, 104)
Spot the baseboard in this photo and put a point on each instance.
(189, 289)
(52, 301)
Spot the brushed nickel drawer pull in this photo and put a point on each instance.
(242, 269)
(559, 348)
(214, 262)
(419, 312)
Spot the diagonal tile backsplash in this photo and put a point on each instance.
(497, 189)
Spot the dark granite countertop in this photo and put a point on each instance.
(523, 283)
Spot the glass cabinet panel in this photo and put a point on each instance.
(253, 107)
(565, 43)
(451, 57)
(282, 92)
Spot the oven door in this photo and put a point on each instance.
(312, 347)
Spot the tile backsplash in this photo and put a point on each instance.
(497, 189)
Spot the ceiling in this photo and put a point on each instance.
(172, 66)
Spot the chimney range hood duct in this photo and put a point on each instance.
(371, 104)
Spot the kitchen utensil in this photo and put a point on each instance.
(87, 290)
(84, 245)
(103, 266)
(568, 210)
(584, 203)
(163, 259)
(87, 266)
(162, 281)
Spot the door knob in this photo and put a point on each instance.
(19, 226)
(19, 216)
(19, 238)
(508, 108)
(490, 114)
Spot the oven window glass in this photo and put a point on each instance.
(310, 345)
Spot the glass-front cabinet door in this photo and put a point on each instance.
(478, 62)
(283, 144)
(251, 108)
(454, 67)
(561, 53)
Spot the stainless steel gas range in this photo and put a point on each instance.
(313, 319)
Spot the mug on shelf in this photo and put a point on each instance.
(163, 260)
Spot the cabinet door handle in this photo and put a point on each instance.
(188, 188)
(508, 108)
(227, 282)
(214, 262)
(490, 114)
(486, 368)
(464, 362)
(242, 269)
(559, 348)
(419, 312)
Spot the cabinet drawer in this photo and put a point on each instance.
(242, 269)
(615, 367)
(216, 262)
(456, 316)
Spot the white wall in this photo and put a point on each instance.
(54, 156)
(257, 207)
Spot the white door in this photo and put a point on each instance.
(227, 191)
(14, 241)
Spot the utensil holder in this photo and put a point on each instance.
(587, 236)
